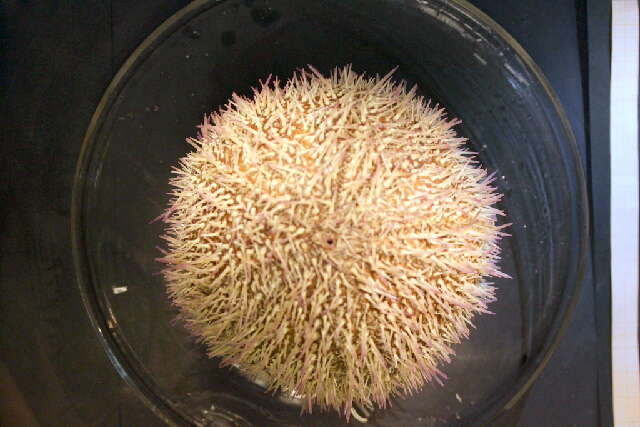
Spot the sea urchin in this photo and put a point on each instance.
(331, 235)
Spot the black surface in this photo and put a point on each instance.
(595, 53)
(58, 58)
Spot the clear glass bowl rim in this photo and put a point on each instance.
(99, 318)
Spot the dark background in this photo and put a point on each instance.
(57, 59)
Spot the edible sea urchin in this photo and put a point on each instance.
(331, 236)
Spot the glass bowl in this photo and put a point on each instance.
(191, 65)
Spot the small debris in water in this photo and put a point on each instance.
(192, 33)
(459, 398)
(120, 289)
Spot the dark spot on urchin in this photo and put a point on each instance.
(264, 16)
(228, 38)
(191, 32)
(331, 241)
(523, 359)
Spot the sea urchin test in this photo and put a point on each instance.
(333, 236)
